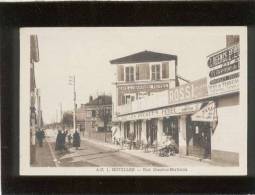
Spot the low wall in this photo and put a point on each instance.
(101, 136)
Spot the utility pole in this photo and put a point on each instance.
(61, 115)
(72, 82)
(39, 120)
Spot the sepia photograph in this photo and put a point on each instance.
(141, 101)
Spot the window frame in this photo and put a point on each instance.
(160, 71)
(128, 73)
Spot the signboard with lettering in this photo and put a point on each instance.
(206, 114)
(188, 92)
(163, 112)
(143, 87)
(223, 75)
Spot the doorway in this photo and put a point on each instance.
(151, 131)
(198, 139)
(171, 128)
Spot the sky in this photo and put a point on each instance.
(86, 52)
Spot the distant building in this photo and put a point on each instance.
(80, 119)
(98, 117)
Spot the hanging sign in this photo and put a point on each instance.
(206, 114)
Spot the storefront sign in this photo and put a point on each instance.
(206, 114)
(188, 92)
(142, 87)
(164, 112)
(223, 71)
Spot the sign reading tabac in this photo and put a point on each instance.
(223, 74)
(206, 114)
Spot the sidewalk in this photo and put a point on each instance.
(43, 156)
(165, 161)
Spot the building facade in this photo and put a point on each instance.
(80, 119)
(98, 117)
(199, 115)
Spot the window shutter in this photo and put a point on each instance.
(137, 72)
(120, 69)
(144, 72)
(165, 70)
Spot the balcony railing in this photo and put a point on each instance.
(157, 100)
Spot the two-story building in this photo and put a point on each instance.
(98, 118)
(150, 102)
(140, 79)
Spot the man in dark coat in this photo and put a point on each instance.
(58, 141)
(63, 141)
(40, 136)
(76, 140)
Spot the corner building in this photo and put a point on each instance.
(152, 101)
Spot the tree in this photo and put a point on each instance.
(67, 119)
(104, 113)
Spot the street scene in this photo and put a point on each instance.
(126, 97)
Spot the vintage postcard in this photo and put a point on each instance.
(133, 101)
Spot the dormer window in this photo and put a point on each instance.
(129, 73)
(155, 72)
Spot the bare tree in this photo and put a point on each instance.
(104, 114)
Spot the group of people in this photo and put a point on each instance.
(40, 135)
(73, 140)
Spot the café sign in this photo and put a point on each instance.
(163, 112)
(143, 87)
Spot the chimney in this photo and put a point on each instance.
(232, 40)
(90, 98)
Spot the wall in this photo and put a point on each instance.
(225, 139)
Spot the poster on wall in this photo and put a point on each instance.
(224, 69)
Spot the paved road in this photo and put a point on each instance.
(90, 154)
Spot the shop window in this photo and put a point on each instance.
(155, 72)
(120, 72)
(129, 73)
(142, 72)
(165, 70)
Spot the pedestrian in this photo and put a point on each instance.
(69, 139)
(63, 141)
(58, 141)
(40, 136)
(76, 140)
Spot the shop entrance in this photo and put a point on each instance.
(151, 131)
(171, 128)
(198, 139)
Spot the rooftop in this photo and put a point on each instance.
(144, 56)
(100, 100)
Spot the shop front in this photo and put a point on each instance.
(171, 127)
(151, 131)
(198, 138)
